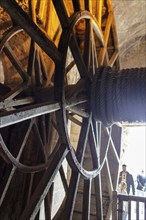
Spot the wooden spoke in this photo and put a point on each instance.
(71, 197)
(10, 54)
(99, 6)
(106, 37)
(88, 5)
(62, 13)
(76, 5)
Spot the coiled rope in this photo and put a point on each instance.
(119, 96)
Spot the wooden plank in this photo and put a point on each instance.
(61, 12)
(99, 5)
(114, 205)
(71, 196)
(88, 5)
(120, 209)
(129, 210)
(76, 52)
(87, 48)
(76, 5)
(109, 179)
(86, 200)
(98, 197)
(63, 178)
(106, 37)
(137, 210)
(16, 116)
(48, 202)
(42, 7)
(113, 58)
(15, 62)
(109, 186)
(145, 210)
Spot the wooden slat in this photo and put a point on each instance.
(76, 5)
(113, 58)
(114, 205)
(71, 196)
(120, 210)
(32, 5)
(95, 144)
(16, 116)
(38, 138)
(88, 5)
(99, 5)
(109, 179)
(106, 37)
(48, 202)
(78, 56)
(87, 43)
(61, 12)
(145, 210)
(98, 197)
(14, 60)
(137, 210)
(41, 8)
(63, 178)
(86, 200)
(129, 210)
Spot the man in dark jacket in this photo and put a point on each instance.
(128, 178)
(141, 181)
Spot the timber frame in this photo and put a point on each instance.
(37, 113)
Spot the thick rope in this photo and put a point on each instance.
(119, 96)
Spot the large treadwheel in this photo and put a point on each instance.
(87, 40)
(84, 47)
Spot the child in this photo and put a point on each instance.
(122, 188)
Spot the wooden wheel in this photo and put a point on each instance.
(85, 45)
(28, 137)
(20, 98)
(88, 40)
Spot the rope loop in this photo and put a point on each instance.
(119, 96)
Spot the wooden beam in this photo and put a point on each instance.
(26, 113)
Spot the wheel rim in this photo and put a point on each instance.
(88, 121)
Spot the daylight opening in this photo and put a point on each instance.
(134, 149)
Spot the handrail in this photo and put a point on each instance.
(118, 202)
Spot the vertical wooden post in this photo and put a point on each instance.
(120, 208)
(99, 11)
(114, 205)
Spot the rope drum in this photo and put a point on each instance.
(119, 96)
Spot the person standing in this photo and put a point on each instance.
(141, 183)
(141, 191)
(125, 176)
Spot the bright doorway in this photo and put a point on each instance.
(134, 149)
